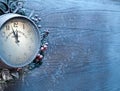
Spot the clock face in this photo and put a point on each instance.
(19, 42)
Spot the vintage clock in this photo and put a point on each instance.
(19, 40)
(22, 43)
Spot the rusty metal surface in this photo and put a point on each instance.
(84, 47)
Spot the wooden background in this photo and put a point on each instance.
(84, 46)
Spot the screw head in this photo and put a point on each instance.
(39, 26)
(36, 16)
(39, 19)
(32, 18)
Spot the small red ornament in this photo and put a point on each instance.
(18, 69)
(44, 47)
(39, 57)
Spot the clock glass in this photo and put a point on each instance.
(19, 41)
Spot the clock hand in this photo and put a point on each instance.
(15, 35)
(13, 31)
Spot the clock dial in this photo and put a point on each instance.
(19, 39)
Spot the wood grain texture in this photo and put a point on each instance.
(84, 49)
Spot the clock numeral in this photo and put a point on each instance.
(29, 32)
(7, 27)
(18, 58)
(15, 24)
(23, 26)
(9, 56)
(30, 48)
(25, 56)
(31, 39)
(3, 34)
